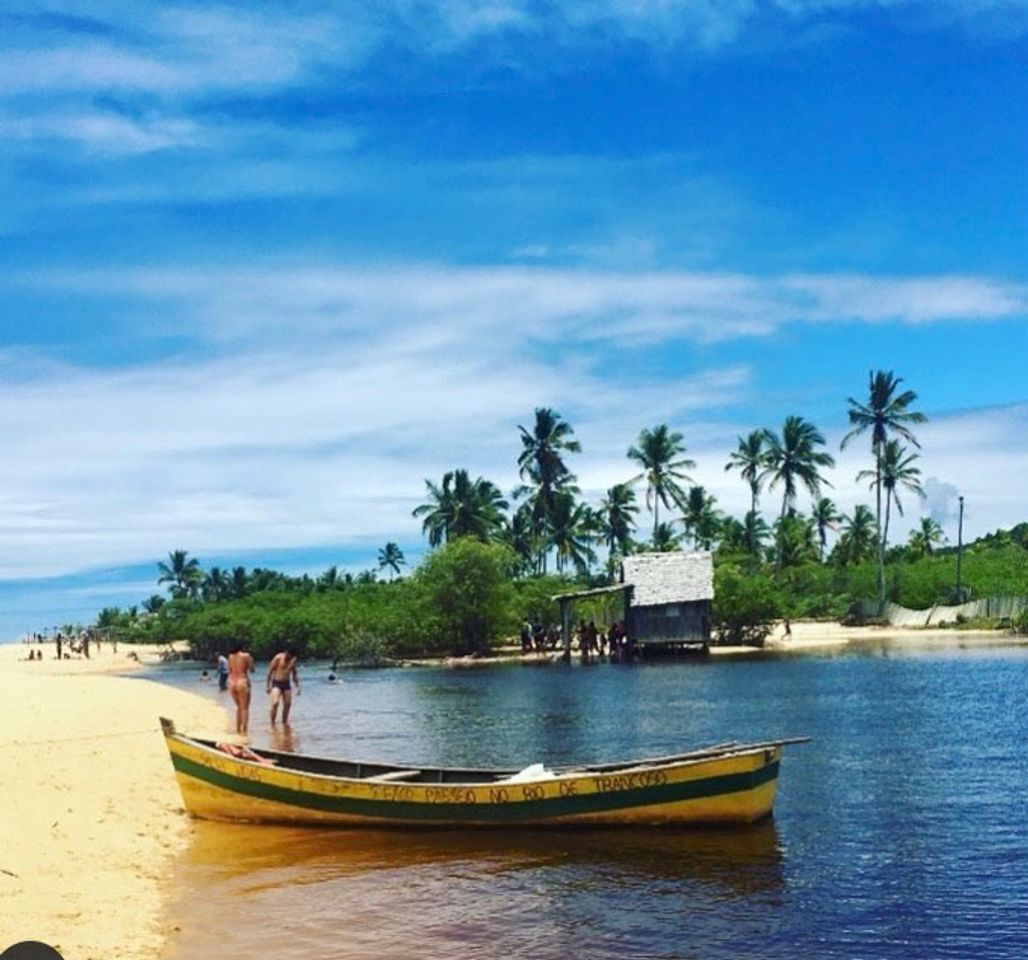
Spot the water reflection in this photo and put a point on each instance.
(532, 893)
(281, 738)
(743, 860)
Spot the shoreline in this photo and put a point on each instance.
(806, 635)
(94, 823)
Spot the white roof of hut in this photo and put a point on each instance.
(669, 577)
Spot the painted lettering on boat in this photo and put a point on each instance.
(630, 781)
(449, 795)
(391, 792)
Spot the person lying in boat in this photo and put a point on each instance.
(241, 752)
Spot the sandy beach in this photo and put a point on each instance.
(90, 816)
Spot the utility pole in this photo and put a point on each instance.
(960, 549)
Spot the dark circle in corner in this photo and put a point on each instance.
(30, 950)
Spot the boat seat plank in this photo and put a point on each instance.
(396, 775)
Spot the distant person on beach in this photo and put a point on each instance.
(240, 663)
(205, 676)
(526, 637)
(60, 642)
(332, 678)
(282, 674)
(222, 672)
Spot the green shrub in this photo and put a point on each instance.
(745, 607)
(467, 596)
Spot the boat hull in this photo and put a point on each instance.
(736, 787)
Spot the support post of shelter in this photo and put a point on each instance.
(565, 626)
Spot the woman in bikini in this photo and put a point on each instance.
(240, 663)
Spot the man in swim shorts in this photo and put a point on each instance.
(282, 674)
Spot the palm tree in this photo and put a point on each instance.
(391, 557)
(750, 459)
(925, 538)
(665, 540)
(461, 507)
(151, 604)
(542, 451)
(541, 462)
(658, 452)
(572, 526)
(793, 458)
(617, 517)
(886, 411)
(700, 517)
(731, 536)
(825, 517)
(329, 580)
(520, 535)
(215, 585)
(794, 536)
(757, 531)
(182, 573)
(539, 501)
(859, 538)
(897, 470)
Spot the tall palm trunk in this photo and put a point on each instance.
(753, 513)
(885, 531)
(878, 526)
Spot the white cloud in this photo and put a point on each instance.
(107, 133)
(189, 48)
(184, 50)
(319, 399)
(443, 305)
(910, 300)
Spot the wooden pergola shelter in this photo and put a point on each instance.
(566, 600)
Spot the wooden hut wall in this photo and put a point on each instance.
(671, 622)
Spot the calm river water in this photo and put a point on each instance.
(901, 831)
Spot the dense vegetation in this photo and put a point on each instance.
(488, 570)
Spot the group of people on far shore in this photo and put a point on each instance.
(612, 644)
(283, 675)
(76, 643)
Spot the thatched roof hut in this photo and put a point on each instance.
(670, 599)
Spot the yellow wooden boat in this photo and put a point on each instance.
(727, 783)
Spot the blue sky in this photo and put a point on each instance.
(266, 267)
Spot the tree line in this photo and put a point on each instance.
(497, 559)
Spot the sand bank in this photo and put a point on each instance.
(813, 634)
(90, 815)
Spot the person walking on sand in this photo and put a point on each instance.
(240, 663)
(282, 674)
(222, 672)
